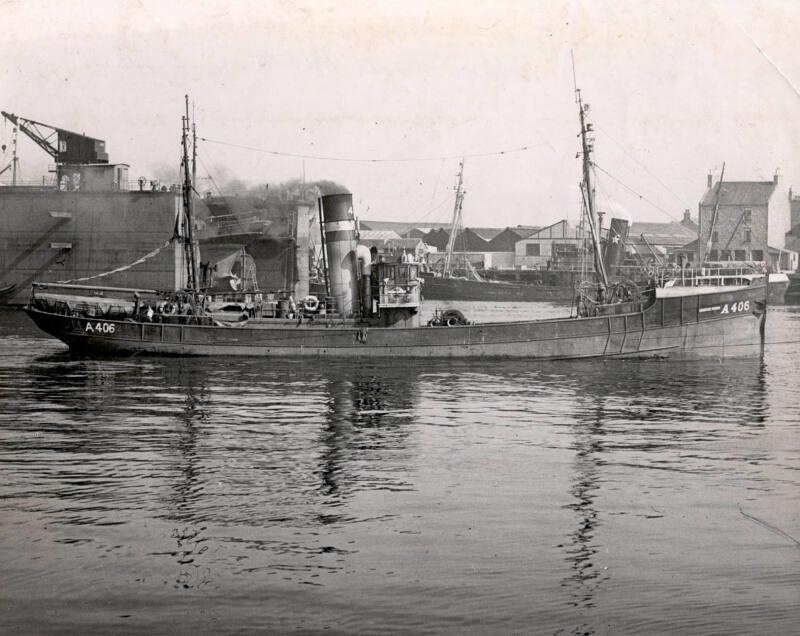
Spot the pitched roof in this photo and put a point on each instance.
(401, 227)
(505, 240)
(739, 193)
(525, 231)
(396, 243)
(486, 233)
(661, 233)
(690, 247)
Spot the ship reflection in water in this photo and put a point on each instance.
(189, 495)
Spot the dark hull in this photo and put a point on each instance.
(777, 292)
(697, 325)
(792, 296)
(462, 289)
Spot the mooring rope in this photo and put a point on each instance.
(138, 261)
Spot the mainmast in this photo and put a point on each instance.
(451, 241)
(587, 189)
(705, 246)
(187, 209)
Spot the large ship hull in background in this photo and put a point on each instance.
(49, 235)
(52, 235)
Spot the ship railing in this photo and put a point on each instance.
(42, 182)
(151, 185)
(716, 275)
(232, 224)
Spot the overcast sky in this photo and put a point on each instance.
(675, 88)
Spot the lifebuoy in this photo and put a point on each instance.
(310, 304)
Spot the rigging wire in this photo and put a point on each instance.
(430, 211)
(414, 224)
(640, 164)
(494, 153)
(641, 196)
(211, 178)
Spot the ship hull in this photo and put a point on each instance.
(778, 286)
(698, 325)
(50, 235)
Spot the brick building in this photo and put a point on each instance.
(793, 235)
(745, 212)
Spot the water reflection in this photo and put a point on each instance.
(368, 413)
(585, 575)
(264, 473)
(638, 406)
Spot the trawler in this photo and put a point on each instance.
(372, 309)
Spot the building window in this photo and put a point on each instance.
(740, 255)
(565, 251)
(748, 235)
(725, 255)
(715, 237)
(713, 255)
(758, 255)
(748, 216)
(532, 249)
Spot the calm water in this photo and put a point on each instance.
(218, 496)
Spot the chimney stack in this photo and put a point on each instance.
(776, 178)
(710, 180)
(687, 215)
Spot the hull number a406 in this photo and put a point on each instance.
(99, 327)
(732, 308)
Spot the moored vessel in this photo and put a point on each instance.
(372, 310)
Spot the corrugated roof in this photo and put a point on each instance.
(740, 193)
(378, 234)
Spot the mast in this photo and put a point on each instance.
(704, 247)
(194, 148)
(451, 241)
(187, 208)
(588, 189)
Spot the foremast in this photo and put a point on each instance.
(190, 248)
(587, 189)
